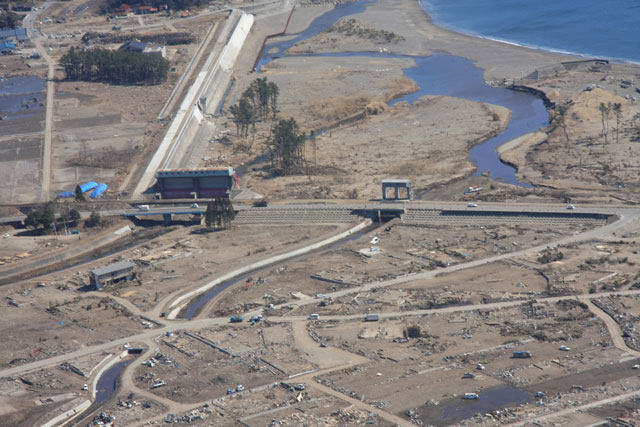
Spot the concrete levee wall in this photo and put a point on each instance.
(188, 117)
(221, 75)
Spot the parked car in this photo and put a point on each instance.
(470, 396)
(468, 375)
(314, 317)
(564, 348)
(299, 387)
(240, 388)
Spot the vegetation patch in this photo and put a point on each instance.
(351, 27)
(116, 67)
(169, 39)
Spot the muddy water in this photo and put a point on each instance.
(20, 96)
(452, 411)
(443, 75)
(197, 303)
(108, 382)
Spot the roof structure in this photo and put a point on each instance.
(7, 46)
(118, 266)
(133, 46)
(395, 181)
(19, 34)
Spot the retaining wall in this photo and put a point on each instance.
(211, 82)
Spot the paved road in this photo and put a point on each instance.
(612, 327)
(597, 403)
(625, 217)
(48, 124)
(200, 323)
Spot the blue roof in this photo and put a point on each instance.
(4, 46)
(99, 190)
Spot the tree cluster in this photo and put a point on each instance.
(219, 213)
(171, 4)
(181, 37)
(117, 67)
(9, 20)
(286, 146)
(606, 110)
(258, 102)
(45, 216)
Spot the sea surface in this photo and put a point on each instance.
(591, 28)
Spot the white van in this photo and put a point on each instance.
(313, 317)
(143, 207)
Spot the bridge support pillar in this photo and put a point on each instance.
(167, 219)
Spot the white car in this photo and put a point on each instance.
(85, 387)
(571, 207)
(635, 367)
(472, 205)
(240, 388)
(194, 206)
(564, 348)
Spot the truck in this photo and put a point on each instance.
(236, 319)
(372, 317)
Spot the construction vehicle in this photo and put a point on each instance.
(236, 319)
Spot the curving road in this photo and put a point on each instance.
(340, 359)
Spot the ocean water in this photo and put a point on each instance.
(592, 28)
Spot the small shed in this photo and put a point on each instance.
(114, 273)
(398, 186)
(157, 50)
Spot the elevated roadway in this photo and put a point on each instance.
(412, 212)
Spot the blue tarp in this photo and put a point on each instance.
(66, 194)
(88, 186)
(99, 190)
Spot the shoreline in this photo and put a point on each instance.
(544, 49)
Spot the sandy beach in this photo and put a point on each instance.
(319, 91)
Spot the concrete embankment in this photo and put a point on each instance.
(182, 301)
(211, 83)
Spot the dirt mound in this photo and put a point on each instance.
(375, 107)
(586, 106)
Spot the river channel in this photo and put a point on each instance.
(108, 382)
(446, 75)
